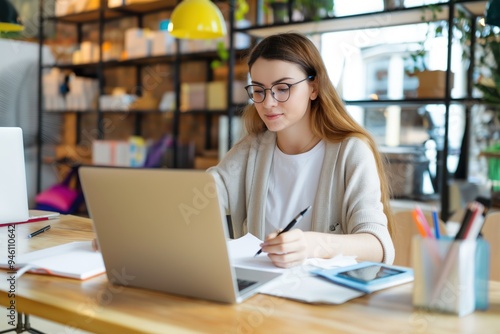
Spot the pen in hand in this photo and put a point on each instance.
(290, 225)
(46, 228)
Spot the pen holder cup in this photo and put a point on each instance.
(450, 276)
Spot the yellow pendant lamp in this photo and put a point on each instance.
(9, 18)
(197, 19)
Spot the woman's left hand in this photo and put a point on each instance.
(286, 250)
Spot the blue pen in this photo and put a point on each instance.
(436, 224)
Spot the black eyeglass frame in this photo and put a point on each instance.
(250, 95)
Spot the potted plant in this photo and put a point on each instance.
(431, 82)
(217, 65)
(279, 10)
(488, 83)
(487, 63)
(487, 57)
(314, 9)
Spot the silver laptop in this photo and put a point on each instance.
(164, 230)
(13, 190)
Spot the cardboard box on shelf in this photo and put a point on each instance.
(432, 84)
(217, 94)
(193, 96)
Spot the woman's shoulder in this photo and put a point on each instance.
(352, 143)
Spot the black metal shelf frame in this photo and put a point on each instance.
(400, 16)
(100, 16)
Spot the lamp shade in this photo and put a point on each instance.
(9, 18)
(493, 13)
(197, 19)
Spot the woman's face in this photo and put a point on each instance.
(292, 114)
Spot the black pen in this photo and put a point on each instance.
(46, 228)
(290, 225)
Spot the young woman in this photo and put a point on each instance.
(302, 148)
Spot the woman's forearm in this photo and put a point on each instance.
(365, 246)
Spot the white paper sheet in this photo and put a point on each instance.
(295, 283)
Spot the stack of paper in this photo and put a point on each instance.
(296, 283)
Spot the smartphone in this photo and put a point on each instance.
(370, 274)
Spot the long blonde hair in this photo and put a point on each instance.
(329, 118)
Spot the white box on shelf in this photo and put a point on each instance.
(138, 42)
(82, 94)
(89, 52)
(141, 48)
(52, 97)
(163, 43)
(167, 102)
(115, 3)
(197, 45)
(54, 102)
(62, 7)
(116, 102)
(129, 2)
(110, 153)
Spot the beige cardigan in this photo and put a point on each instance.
(348, 195)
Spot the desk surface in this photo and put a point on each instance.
(96, 306)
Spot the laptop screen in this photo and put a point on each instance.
(13, 191)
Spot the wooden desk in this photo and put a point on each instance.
(96, 306)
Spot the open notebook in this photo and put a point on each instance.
(74, 260)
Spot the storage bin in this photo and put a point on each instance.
(407, 168)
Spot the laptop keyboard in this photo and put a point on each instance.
(243, 284)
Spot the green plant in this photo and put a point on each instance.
(11, 35)
(314, 9)
(487, 55)
(488, 81)
(241, 10)
(223, 55)
(417, 59)
(268, 4)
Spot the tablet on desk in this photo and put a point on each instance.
(368, 276)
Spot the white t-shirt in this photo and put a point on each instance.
(292, 187)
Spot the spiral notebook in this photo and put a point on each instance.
(75, 260)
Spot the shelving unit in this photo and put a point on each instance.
(96, 69)
(381, 19)
(396, 17)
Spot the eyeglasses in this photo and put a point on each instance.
(280, 91)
